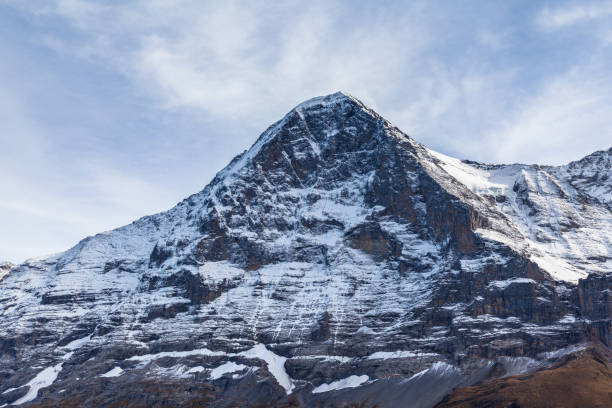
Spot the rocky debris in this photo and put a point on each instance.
(336, 248)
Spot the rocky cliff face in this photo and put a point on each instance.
(335, 261)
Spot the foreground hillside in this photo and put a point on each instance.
(337, 261)
(583, 379)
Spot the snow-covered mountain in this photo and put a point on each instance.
(335, 259)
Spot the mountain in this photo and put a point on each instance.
(335, 262)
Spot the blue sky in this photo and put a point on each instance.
(113, 110)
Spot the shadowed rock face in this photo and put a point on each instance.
(372, 239)
(336, 252)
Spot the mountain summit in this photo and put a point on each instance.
(336, 260)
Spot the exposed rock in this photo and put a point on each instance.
(595, 305)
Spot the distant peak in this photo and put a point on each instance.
(592, 158)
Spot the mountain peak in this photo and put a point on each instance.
(332, 124)
(326, 100)
(335, 101)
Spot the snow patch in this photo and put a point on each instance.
(503, 284)
(558, 268)
(341, 359)
(213, 272)
(42, 380)
(176, 354)
(78, 343)
(348, 382)
(552, 355)
(114, 372)
(276, 365)
(473, 178)
(386, 355)
(568, 319)
(229, 367)
(365, 330)
(439, 369)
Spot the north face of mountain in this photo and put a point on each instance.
(335, 260)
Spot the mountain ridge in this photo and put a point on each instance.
(329, 100)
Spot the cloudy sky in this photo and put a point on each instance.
(110, 112)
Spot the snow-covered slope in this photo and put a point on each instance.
(562, 213)
(336, 252)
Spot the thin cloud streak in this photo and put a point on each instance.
(564, 16)
(569, 110)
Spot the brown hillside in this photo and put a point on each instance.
(580, 380)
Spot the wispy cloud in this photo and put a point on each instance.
(571, 112)
(227, 59)
(554, 18)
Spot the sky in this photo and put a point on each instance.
(114, 110)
